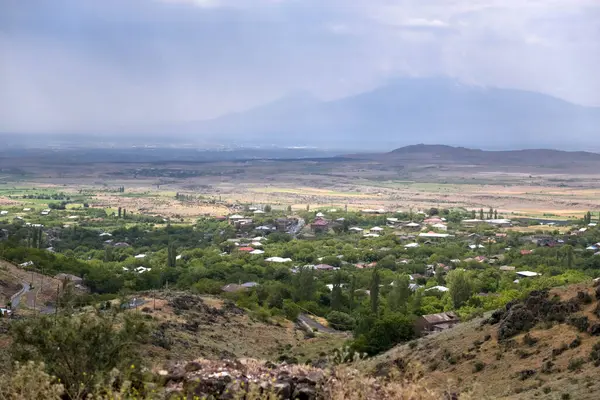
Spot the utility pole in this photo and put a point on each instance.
(57, 302)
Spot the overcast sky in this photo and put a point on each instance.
(93, 65)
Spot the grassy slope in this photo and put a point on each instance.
(447, 360)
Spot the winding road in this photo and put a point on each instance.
(305, 319)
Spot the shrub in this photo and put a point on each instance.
(581, 323)
(529, 340)
(80, 350)
(340, 321)
(575, 343)
(595, 354)
(478, 366)
(559, 350)
(576, 363)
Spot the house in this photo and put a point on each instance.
(436, 322)
(434, 235)
(236, 217)
(265, 228)
(141, 270)
(440, 288)
(411, 245)
(26, 264)
(257, 251)
(413, 226)
(371, 235)
(376, 230)
(121, 244)
(278, 259)
(319, 225)
(103, 234)
(247, 249)
(392, 221)
(440, 227)
(355, 229)
(249, 285)
(3, 212)
(476, 246)
(324, 267)
(501, 222)
(139, 256)
(528, 274)
(472, 222)
(526, 252)
(257, 212)
(233, 287)
(433, 220)
(320, 215)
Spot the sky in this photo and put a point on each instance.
(77, 66)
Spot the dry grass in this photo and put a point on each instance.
(450, 356)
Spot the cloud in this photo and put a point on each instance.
(112, 65)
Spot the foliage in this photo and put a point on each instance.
(340, 321)
(81, 349)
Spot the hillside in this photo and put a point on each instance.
(545, 347)
(189, 326)
(423, 154)
(434, 110)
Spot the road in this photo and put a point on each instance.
(303, 318)
(17, 299)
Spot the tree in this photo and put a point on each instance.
(473, 214)
(374, 291)
(171, 256)
(569, 255)
(289, 209)
(119, 212)
(352, 291)
(491, 213)
(336, 292)
(340, 321)
(267, 209)
(304, 284)
(384, 334)
(460, 287)
(495, 214)
(481, 213)
(80, 349)
(400, 294)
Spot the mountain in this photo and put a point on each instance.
(432, 110)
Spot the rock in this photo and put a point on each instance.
(193, 366)
(214, 385)
(283, 389)
(526, 374)
(305, 391)
(595, 330)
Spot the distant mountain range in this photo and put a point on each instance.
(423, 154)
(406, 111)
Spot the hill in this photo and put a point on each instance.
(435, 110)
(546, 346)
(423, 154)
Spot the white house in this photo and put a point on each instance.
(376, 229)
(528, 274)
(3, 212)
(355, 229)
(278, 259)
(411, 245)
(440, 226)
(440, 288)
(140, 256)
(257, 251)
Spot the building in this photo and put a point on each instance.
(376, 230)
(434, 235)
(435, 322)
(319, 225)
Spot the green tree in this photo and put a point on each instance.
(460, 286)
(80, 349)
(340, 321)
(374, 291)
(481, 216)
(473, 214)
(304, 284)
(569, 255)
(171, 256)
(289, 209)
(495, 214)
(336, 292)
(400, 294)
(267, 209)
(352, 292)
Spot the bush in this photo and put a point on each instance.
(595, 354)
(340, 321)
(80, 350)
(576, 363)
(529, 340)
(575, 343)
(478, 366)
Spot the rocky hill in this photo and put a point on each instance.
(546, 346)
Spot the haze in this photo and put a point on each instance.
(73, 66)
